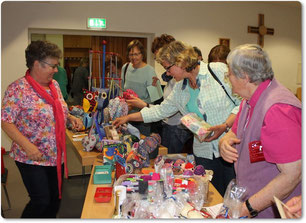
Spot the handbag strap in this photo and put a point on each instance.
(216, 78)
(126, 67)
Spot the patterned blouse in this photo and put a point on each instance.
(34, 118)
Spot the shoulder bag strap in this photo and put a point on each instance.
(126, 67)
(216, 78)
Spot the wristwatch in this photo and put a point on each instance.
(252, 211)
(227, 127)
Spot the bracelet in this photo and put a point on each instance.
(227, 127)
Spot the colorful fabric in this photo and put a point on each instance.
(117, 108)
(35, 119)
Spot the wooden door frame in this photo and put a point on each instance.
(148, 36)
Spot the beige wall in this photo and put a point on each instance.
(198, 23)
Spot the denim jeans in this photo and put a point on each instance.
(42, 187)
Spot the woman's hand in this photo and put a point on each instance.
(33, 153)
(76, 122)
(120, 121)
(217, 131)
(227, 151)
(136, 102)
(294, 207)
(154, 82)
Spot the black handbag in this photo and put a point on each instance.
(216, 78)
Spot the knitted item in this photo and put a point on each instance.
(117, 108)
(149, 144)
(199, 170)
(128, 93)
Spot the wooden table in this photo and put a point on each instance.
(88, 158)
(92, 209)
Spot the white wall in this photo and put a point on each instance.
(198, 23)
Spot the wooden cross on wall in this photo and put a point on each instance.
(261, 30)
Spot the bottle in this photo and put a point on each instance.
(117, 213)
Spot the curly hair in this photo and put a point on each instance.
(159, 42)
(40, 50)
(178, 53)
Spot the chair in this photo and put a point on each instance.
(4, 175)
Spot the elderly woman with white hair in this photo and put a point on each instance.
(265, 140)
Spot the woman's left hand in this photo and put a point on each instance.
(76, 122)
(217, 131)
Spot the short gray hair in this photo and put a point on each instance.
(251, 60)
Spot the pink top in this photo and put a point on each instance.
(34, 118)
(281, 134)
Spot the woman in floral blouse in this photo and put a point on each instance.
(34, 116)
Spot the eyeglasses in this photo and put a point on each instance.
(53, 66)
(168, 68)
(134, 54)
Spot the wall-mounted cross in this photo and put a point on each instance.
(261, 30)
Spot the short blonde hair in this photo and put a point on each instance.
(178, 53)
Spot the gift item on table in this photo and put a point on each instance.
(90, 101)
(99, 146)
(139, 155)
(166, 174)
(114, 152)
(147, 198)
(196, 125)
(128, 129)
(233, 201)
(179, 163)
(117, 108)
(96, 134)
(111, 132)
(128, 93)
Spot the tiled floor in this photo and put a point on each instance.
(74, 189)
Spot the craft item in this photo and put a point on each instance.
(196, 125)
(111, 132)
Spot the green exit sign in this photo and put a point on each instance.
(96, 23)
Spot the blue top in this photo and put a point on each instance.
(139, 79)
(192, 105)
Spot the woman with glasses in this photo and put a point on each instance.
(34, 115)
(137, 75)
(196, 91)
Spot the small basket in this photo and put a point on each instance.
(103, 194)
(102, 174)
